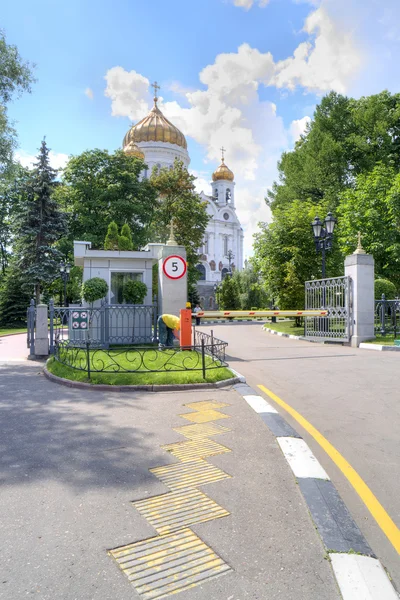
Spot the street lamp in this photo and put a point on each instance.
(216, 291)
(323, 236)
(230, 256)
(65, 269)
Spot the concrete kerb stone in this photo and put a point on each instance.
(144, 388)
(338, 531)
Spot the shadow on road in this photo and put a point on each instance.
(84, 439)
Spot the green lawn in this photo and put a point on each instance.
(8, 331)
(161, 360)
(288, 326)
(387, 340)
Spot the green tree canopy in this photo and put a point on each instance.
(99, 187)
(180, 201)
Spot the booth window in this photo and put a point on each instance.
(118, 280)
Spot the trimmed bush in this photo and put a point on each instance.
(111, 241)
(384, 286)
(134, 292)
(94, 289)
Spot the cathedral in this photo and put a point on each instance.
(158, 142)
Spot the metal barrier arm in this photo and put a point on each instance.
(221, 314)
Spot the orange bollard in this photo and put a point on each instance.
(186, 328)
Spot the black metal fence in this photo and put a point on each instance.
(103, 326)
(387, 316)
(213, 346)
(90, 358)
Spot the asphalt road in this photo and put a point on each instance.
(351, 396)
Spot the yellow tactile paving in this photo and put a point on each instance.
(201, 430)
(189, 474)
(193, 449)
(204, 416)
(175, 510)
(167, 564)
(206, 405)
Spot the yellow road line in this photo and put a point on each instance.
(376, 509)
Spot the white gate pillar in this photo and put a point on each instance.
(172, 279)
(42, 331)
(360, 267)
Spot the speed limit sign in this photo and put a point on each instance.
(174, 267)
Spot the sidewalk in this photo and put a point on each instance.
(13, 348)
(74, 461)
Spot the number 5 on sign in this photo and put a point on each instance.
(174, 267)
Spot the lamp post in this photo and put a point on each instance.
(323, 236)
(216, 290)
(65, 269)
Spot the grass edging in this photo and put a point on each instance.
(147, 388)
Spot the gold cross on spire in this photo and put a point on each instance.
(222, 152)
(156, 87)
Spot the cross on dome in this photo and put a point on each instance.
(222, 153)
(156, 88)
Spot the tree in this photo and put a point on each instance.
(346, 137)
(179, 201)
(94, 289)
(125, 239)
(15, 78)
(99, 187)
(38, 224)
(14, 298)
(285, 255)
(384, 286)
(251, 292)
(111, 241)
(228, 294)
(134, 292)
(373, 207)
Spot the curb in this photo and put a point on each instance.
(359, 573)
(80, 385)
(291, 337)
(379, 347)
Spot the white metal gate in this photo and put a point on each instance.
(333, 295)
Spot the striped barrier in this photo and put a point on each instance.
(221, 314)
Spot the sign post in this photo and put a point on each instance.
(172, 279)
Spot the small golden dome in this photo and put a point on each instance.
(155, 128)
(133, 150)
(223, 172)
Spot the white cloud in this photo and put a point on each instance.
(129, 93)
(331, 61)
(58, 160)
(247, 4)
(298, 127)
(89, 93)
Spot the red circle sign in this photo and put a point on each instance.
(174, 266)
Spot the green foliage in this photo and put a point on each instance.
(251, 291)
(193, 295)
(124, 243)
(373, 207)
(94, 289)
(384, 286)
(134, 292)
(285, 255)
(180, 201)
(14, 298)
(38, 224)
(99, 187)
(15, 78)
(228, 294)
(127, 234)
(111, 241)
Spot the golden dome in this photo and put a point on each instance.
(155, 128)
(133, 150)
(223, 172)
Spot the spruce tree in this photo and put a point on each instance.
(111, 241)
(14, 299)
(38, 224)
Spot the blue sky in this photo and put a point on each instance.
(243, 73)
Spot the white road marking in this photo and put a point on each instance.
(300, 458)
(362, 578)
(260, 405)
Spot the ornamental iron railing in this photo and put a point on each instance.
(387, 316)
(92, 359)
(213, 346)
(334, 295)
(30, 327)
(103, 326)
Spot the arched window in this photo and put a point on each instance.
(202, 270)
(205, 244)
(211, 302)
(228, 196)
(224, 272)
(202, 299)
(212, 265)
(216, 194)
